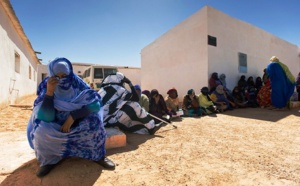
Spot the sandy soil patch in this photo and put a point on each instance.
(239, 147)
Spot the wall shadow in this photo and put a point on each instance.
(262, 114)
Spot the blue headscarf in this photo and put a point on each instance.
(72, 92)
(137, 87)
(63, 90)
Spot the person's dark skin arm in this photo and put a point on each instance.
(135, 96)
(86, 110)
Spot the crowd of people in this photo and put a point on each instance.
(69, 117)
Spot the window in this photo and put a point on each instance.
(212, 40)
(242, 62)
(29, 72)
(108, 71)
(17, 62)
(44, 75)
(98, 74)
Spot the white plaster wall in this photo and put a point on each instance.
(42, 69)
(14, 85)
(235, 36)
(181, 58)
(178, 58)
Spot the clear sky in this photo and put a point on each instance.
(113, 32)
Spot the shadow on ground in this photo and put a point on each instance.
(71, 171)
(263, 114)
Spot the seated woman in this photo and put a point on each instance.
(206, 102)
(144, 100)
(264, 95)
(66, 120)
(147, 93)
(191, 106)
(213, 82)
(251, 93)
(237, 96)
(121, 107)
(224, 83)
(242, 85)
(258, 83)
(158, 106)
(220, 100)
(172, 103)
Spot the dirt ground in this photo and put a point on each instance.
(240, 147)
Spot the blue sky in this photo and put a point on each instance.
(113, 32)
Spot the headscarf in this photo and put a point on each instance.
(62, 90)
(137, 87)
(223, 79)
(205, 92)
(214, 75)
(250, 81)
(146, 92)
(58, 67)
(220, 89)
(71, 93)
(286, 70)
(153, 92)
(116, 79)
(189, 92)
(172, 90)
(298, 79)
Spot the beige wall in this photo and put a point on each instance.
(14, 85)
(181, 57)
(132, 73)
(178, 58)
(235, 36)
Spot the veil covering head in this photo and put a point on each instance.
(274, 59)
(63, 90)
(190, 92)
(220, 89)
(204, 90)
(137, 87)
(172, 90)
(71, 92)
(116, 78)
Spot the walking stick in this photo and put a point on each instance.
(162, 120)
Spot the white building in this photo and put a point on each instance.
(18, 59)
(211, 41)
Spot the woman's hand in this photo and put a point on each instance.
(51, 85)
(67, 125)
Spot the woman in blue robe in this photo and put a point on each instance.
(66, 120)
(282, 83)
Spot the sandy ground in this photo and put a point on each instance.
(240, 147)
